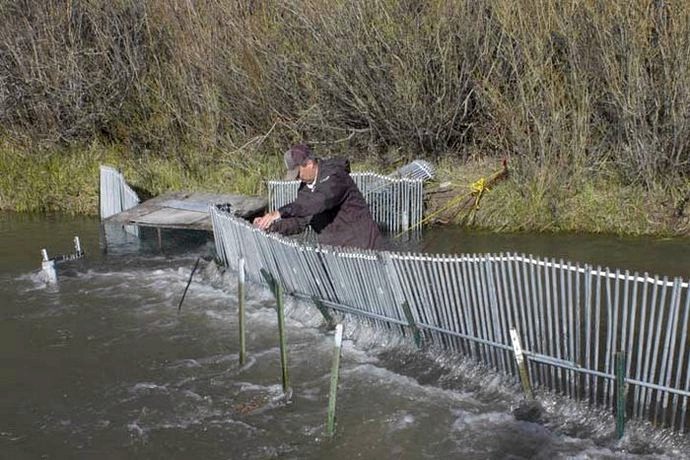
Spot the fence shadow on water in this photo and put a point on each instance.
(571, 319)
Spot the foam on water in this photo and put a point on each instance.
(401, 420)
(146, 386)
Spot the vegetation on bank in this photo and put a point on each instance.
(68, 182)
(587, 99)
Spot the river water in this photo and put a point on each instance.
(102, 365)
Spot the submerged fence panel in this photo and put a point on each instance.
(571, 319)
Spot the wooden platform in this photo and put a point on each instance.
(186, 210)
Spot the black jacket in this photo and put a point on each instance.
(335, 209)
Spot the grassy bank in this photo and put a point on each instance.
(593, 204)
(67, 181)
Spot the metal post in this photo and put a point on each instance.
(330, 323)
(77, 246)
(48, 268)
(413, 327)
(277, 290)
(335, 370)
(521, 363)
(191, 275)
(283, 339)
(241, 303)
(620, 393)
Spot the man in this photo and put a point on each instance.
(328, 200)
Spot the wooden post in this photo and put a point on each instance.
(335, 371)
(620, 394)
(241, 303)
(521, 363)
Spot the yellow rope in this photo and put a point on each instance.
(477, 189)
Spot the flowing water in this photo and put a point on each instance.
(101, 365)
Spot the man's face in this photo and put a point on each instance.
(307, 172)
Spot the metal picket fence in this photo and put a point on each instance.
(116, 196)
(571, 318)
(396, 204)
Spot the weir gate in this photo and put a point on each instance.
(572, 320)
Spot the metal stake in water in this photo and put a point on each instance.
(520, 360)
(324, 312)
(413, 327)
(48, 267)
(283, 339)
(241, 302)
(191, 275)
(335, 370)
(277, 290)
(620, 394)
(77, 246)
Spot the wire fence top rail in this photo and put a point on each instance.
(443, 258)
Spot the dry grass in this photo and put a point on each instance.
(572, 92)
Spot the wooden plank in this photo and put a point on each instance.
(188, 205)
(164, 216)
(186, 210)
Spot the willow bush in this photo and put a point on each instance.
(565, 89)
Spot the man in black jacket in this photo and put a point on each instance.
(328, 200)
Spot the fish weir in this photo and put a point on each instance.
(572, 319)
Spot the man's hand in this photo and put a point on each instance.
(266, 220)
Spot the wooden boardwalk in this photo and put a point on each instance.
(185, 210)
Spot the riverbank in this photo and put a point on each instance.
(587, 101)
(548, 202)
(67, 181)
